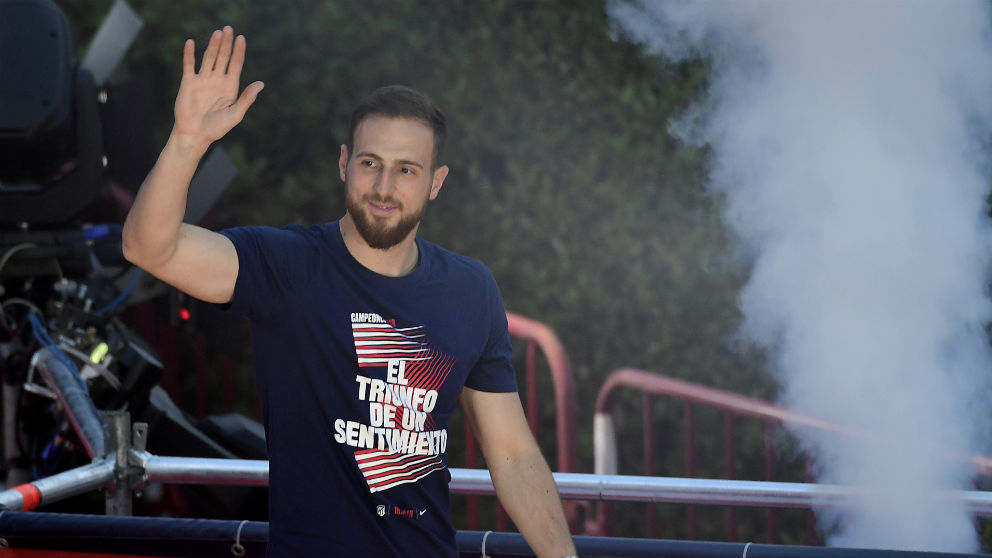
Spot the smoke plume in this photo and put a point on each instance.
(850, 143)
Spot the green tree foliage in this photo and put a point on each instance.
(563, 179)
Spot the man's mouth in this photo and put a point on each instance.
(382, 208)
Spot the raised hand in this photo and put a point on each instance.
(208, 105)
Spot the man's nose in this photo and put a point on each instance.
(384, 184)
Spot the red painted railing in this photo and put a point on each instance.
(732, 405)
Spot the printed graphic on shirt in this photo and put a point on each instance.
(400, 443)
(378, 341)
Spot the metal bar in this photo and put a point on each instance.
(512, 545)
(94, 535)
(533, 411)
(58, 487)
(605, 463)
(728, 445)
(690, 464)
(631, 488)
(647, 442)
(687, 391)
(810, 516)
(580, 486)
(48, 534)
(79, 408)
(728, 433)
(199, 470)
(770, 532)
(118, 436)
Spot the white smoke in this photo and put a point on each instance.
(847, 139)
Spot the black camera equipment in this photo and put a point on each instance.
(63, 281)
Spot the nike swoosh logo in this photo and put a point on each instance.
(422, 512)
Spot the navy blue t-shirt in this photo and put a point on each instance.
(359, 375)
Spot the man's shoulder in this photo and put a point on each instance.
(450, 262)
(285, 236)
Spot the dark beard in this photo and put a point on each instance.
(379, 235)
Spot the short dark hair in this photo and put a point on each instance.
(400, 101)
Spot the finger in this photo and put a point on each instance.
(237, 57)
(189, 58)
(227, 37)
(248, 97)
(210, 55)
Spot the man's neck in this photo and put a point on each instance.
(396, 261)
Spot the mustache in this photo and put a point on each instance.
(381, 200)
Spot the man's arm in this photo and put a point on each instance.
(520, 473)
(199, 262)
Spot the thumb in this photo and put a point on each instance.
(248, 97)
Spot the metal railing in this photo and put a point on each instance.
(651, 384)
(61, 534)
(126, 467)
(145, 468)
(732, 406)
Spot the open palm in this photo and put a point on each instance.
(208, 105)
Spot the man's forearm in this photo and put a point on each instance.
(527, 491)
(152, 225)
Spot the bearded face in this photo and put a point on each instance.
(379, 231)
(389, 178)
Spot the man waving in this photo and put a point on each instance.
(366, 337)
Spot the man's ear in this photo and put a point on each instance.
(343, 163)
(439, 175)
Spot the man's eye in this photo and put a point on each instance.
(368, 163)
(406, 170)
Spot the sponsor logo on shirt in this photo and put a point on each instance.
(382, 510)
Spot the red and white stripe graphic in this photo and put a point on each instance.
(424, 367)
(377, 344)
(384, 469)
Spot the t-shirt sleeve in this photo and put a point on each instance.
(494, 370)
(272, 264)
